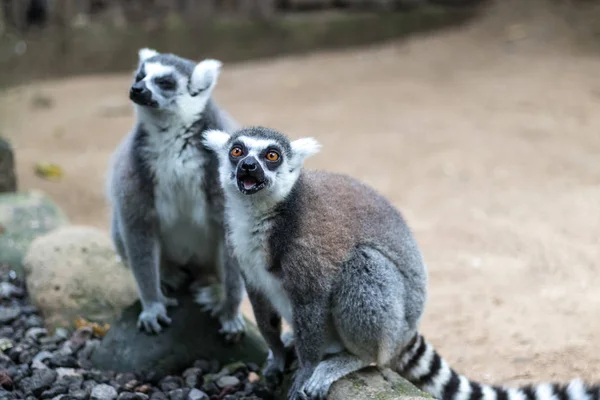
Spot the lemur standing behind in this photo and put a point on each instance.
(163, 186)
(339, 263)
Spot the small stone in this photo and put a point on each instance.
(81, 335)
(6, 344)
(39, 381)
(35, 333)
(6, 381)
(170, 383)
(8, 290)
(178, 394)
(230, 397)
(26, 356)
(210, 388)
(192, 381)
(159, 396)
(54, 391)
(196, 394)
(133, 396)
(29, 309)
(79, 394)
(143, 389)
(34, 321)
(253, 377)
(9, 314)
(88, 348)
(73, 382)
(103, 392)
(131, 385)
(61, 333)
(227, 381)
(123, 378)
(64, 361)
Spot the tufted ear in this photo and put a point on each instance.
(304, 148)
(215, 140)
(204, 77)
(146, 53)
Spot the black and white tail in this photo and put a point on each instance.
(422, 365)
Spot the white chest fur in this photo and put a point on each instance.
(180, 200)
(249, 236)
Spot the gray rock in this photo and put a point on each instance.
(8, 178)
(38, 382)
(227, 381)
(73, 272)
(24, 217)
(79, 394)
(35, 333)
(196, 394)
(373, 383)
(133, 396)
(9, 314)
(103, 392)
(193, 335)
(8, 290)
(178, 394)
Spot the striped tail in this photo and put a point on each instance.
(422, 365)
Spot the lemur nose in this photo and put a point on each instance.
(249, 164)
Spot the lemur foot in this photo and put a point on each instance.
(273, 371)
(317, 386)
(232, 326)
(153, 316)
(298, 389)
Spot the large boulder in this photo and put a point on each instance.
(73, 272)
(23, 217)
(8, 178)
(193, 335)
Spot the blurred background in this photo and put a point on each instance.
(479, 120)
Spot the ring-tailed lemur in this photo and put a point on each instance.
(339, 263)
(163, 186)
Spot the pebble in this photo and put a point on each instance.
(227, 381)
(103, 392)
(35, 333)
(8, 290)
(8, 314)
(38, 382)
(133, 396)
(178, 394)
(196, 394)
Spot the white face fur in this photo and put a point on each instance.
(160, 87)
(262, 169)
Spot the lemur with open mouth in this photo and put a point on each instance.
(338, 262)
(163, 186)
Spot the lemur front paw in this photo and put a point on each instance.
(316, 388)
(152, 317)
(232, 326)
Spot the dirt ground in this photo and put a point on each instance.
(487, 139)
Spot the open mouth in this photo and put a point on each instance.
(249, 184)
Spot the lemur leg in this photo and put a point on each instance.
(143, 253)
(224, 300)
(115, 232)
(368, 311)
(310, 333)
(268, 321)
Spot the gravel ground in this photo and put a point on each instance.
(37, 365)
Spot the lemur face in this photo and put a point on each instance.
(259, 160)
(170, 83)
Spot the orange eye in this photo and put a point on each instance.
(236, 151)
(272, 156)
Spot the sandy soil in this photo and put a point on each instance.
(490, 148)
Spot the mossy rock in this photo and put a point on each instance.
(23, 217)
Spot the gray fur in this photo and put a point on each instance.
(337, 260)
(168, 208)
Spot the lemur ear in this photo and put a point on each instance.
(215, 139)
(304, 148)
(204, 76)
(146, 53)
